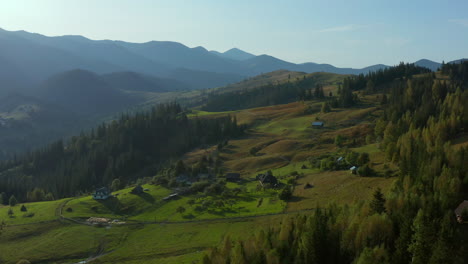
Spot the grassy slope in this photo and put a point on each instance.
(43, 211)
(286, 141)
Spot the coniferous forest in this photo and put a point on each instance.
(129, 148)
(415, 222)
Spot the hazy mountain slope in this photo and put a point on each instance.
(12, 79)
(40, 61)
(106, 50)
(204, 79)
(27, 123)
(181, 56)
(84, 92)
(132, 81)
(432, 65)
(234, 54)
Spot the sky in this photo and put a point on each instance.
(348, 33)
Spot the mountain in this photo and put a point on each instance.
(234, 54)
(458, 61)
(27, 122)
(29, 58)
(37, 62)
(180, 56)
(132, 81)
(204, 79)
(432, 65)
(85, 93)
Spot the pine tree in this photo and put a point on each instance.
(377, 204)
(13, 201)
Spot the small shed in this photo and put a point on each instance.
(102, 193)
(233, 177)
(171, 196)
(353, 169)
(267, 178)
(462, 210)
(339, 160)
(317, 124)
(137, 190)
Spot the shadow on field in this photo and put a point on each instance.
(147, 197)
(295, 199)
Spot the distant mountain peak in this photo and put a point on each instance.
(432, 65)
(234, 54)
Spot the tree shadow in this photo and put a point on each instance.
(295, 199)
(189, 216)
(113, 204)
(147, 197)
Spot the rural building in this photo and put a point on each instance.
(340, 159)
(317, 124)
(267, 178)
(233, 177)
(462, 210)
(171, 196)
(183, 179)
(353, 169)
(101, 194)
(137, 190)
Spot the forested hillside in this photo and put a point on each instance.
(129, 148)
(307, 88)
(423, 117)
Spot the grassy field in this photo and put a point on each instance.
(149, 206)
(36, 212)
(284, 143)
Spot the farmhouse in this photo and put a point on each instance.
(353, 169)
(317, 124)
(233, 177)
(171, 196)
(462, 211)
(101, 193)
(267, 178)
(137, 190)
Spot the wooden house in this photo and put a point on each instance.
(267, 178)
(462, 211)
(137, 190)
(102, 193)
(233, 177)
(317, 124)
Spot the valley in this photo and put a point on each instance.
(153, 228)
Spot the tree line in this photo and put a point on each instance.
(414, 222)
(134, 146)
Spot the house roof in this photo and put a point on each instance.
(317, 123)
(340, 159)
(232, 175)
(463, 206)
(353, 168)
(102, 190)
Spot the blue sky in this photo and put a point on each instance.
(342, 33)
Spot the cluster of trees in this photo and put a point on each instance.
(414, 222)
(270, 94)
(128, 148)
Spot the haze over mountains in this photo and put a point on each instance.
(27, 59)
(88, 80)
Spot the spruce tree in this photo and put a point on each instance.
(13, 201)
(377, 205)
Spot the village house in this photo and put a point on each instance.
(102, 193)
(171, 196)
(462, 211)
(267, 178)
(353, 169)
(137, 190)
(317, 124)
(233, 177)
